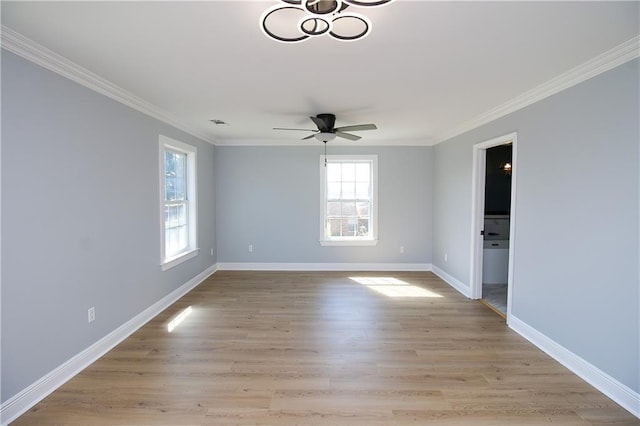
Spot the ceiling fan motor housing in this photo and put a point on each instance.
(329, 121)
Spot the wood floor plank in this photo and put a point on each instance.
(326, 348)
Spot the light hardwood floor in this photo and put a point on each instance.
(283, 348)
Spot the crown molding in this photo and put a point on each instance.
(20, 45)
(28, 49)
(619, 55)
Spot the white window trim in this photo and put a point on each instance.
(349, 241)
(192, 250)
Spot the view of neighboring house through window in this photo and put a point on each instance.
(178, 179)
(348, 200)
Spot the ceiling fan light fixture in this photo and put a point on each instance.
(325, 136)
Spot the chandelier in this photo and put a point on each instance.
(298, 20)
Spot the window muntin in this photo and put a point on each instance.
(348, 200)
(178, 198)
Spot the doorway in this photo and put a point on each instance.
(492, 236)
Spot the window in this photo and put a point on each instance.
(348, 200)
(178, 202)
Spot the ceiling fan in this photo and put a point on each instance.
(327, 132)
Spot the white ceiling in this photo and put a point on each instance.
(426, 69)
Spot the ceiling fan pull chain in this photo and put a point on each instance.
(325, 153)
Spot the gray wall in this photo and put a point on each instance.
(269, 197)
(80, 218)
(576, 273)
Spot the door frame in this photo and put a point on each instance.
(477, 214)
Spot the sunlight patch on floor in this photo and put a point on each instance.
(178, 319)
(393, 287)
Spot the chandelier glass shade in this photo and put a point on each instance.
(294, 21)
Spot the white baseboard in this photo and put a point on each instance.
(620, 393)
(453, 282)
(30, 396)
(241, 266)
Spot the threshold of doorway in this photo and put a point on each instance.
(493, 308)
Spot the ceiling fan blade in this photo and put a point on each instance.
(322, 126)
(357, 127)
(286, 128)
(308, 137)
(348, 136)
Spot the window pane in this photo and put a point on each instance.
(182, 237)
(333, 209)
(169, 246)
(175, 171)
(173, 217)
(363, 210)
(333, 190)
(334, 173)
(363, 172)
(348, 190)
(181, 214)
(167, 216)
(348, 172)
(176, 240)
(169, 176)
(334, 227)
(348, 209)
(363, 227)
(171, 243)
(348, 228)
(362, 190)
(169, 164)
(181, 176)
(181, 190)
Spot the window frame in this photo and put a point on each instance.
(191, 250)
(371, 240)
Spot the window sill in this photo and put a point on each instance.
(182, 257)
(346, 243)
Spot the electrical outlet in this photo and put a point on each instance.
(446, 257)
(401, 249)
(211, 252)
(92, 314)
(250, 248)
